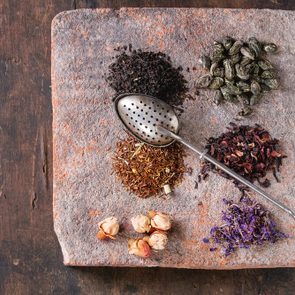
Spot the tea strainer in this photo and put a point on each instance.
(154, 122)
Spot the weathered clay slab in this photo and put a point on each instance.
(85, 131)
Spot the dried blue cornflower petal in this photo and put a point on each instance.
(245, 223)
(225, 201)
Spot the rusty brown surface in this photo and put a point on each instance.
(85, 131)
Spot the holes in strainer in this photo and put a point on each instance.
(129, 109)
(146, 113)
(145, 127)
(165, 116)
(149, 121)
(137, 107)
(141, 110)
(170, 119)
(126, 115)
(138, 115)
(155, 111)
(140, 124)
(150, 108)
(140, 101)
(124, 105)
(132, 104)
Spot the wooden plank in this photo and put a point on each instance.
(274, 4)
(30, 258)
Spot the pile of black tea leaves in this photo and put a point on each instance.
(147, 72)
(244, 224)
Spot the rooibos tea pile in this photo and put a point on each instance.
(145, 170)
(149, 73)
(244, 224)
(249, 151)
(238, 71)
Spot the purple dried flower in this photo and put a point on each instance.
(213, 249)
(246, 224)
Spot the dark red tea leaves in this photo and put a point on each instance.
(244, 224)
(249, 151)
(144, 170)
(149, 73)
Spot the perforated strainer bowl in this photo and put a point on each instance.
(141, 115)
(154, 122)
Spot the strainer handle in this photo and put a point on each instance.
(203, 154)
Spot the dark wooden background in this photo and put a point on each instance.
(30, 256)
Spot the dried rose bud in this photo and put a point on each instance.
(160, 220)
(139, 247)
(141, 223)
(108, 228)
(157, 240)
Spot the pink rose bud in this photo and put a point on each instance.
(157, 240)
(139, 247)
(141, 223)
(160, 220)
(108, 228)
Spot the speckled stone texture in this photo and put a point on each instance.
(85, 131)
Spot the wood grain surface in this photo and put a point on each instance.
(30, 257)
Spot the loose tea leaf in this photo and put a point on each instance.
(248, 150)
(145, 170)
(149, 73)
(204, 81)
(243, 64)
(205, 61)
(244, 224)
(270, 47)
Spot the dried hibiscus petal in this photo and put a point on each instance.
(249, 151)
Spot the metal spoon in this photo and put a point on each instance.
(154, 122)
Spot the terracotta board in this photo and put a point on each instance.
(85, 131)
